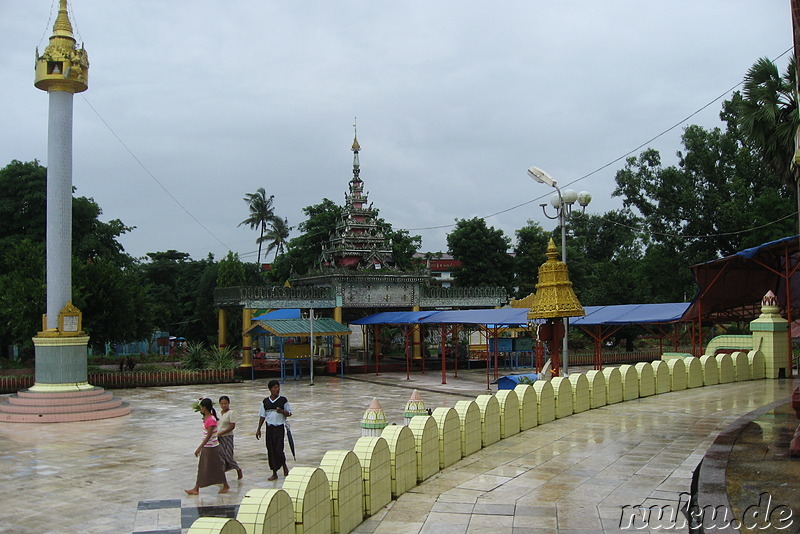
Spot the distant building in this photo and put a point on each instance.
(441, 266)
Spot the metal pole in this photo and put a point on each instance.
(563, 220)
(311, 344)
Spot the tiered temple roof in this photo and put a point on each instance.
(358, 242)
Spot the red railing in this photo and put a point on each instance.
(134, 379)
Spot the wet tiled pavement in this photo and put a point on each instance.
(569, 476)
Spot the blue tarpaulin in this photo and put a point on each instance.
(502, 316)
(283, 313)
(620, 314)
(407, 317)
(632, 314)
(512, 381)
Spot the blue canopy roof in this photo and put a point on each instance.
(502, 316)
(632, 314)
(283, 313)
(595, 315)
(406, 317)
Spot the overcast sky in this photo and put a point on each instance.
(454, 100)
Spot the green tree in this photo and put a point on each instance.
(529, 254)
(483, 253)
(404, 246)
(23, 222)
(261, 213)
(115, 309)
(22, 293)
(719, 199)
(231, 271)
(767, 115)
(303, 253)
(277, 236)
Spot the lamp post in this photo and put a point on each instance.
(563, 203)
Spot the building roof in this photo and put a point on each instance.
(732, 287)
(595, 315)
(323, 326)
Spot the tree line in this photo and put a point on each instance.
(733, 188)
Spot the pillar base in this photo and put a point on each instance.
(61, 392)
(28, 406)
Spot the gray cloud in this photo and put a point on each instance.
(454, 101)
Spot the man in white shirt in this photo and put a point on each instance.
(274, 410)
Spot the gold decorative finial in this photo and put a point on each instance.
(62, 66)
(554, 295)
(62, 26)
(356, 146)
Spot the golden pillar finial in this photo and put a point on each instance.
(62, 66)
(62, 26)
(554, 295)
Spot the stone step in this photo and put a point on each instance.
(61, 394)
(62, 407)
(71, 417)
(46, 399)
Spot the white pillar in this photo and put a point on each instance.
(59, 204)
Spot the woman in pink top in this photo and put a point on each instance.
(210, 469)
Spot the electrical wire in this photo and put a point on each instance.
(642, 145)
(706, 236)
(144, 167)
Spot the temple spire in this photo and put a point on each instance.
(62, 26)
(355, 148)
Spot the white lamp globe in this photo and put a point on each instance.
(569, 196)
(555, 200)
(584, 197)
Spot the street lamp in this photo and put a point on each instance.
(563, 203)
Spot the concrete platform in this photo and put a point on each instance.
(569, 476)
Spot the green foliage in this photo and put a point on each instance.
(483, 253)
(95, 248)
(304, 252)
(720, 199)
(767, 117)
(222, 358)
(181, 290)
(404, 246)
(196, 356)
(115, 309)
(231, 271)
(529, 254)
(276, 236)
(261, 213)
(150, 368)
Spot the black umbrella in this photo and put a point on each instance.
(291, 440)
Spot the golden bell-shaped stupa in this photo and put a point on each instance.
(554, 295)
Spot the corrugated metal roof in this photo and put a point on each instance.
(283, 313)
(394, 317)
(300, 327)
(618, 314)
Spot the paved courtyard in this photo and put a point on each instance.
(571, 475)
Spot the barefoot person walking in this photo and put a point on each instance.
(274, 410)
(226, 424)
(210, 467)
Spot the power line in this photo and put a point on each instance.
(143, 166)
(664, 132)
(641, 228)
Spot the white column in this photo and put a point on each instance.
(59, 204)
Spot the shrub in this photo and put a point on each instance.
(149, 368)
(196, 356)
(222, 358)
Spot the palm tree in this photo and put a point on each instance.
(767, 115)
(277, 236)
(261, 214)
